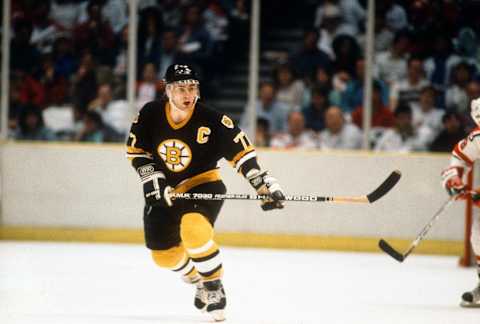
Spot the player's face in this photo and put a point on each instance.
(184, 95)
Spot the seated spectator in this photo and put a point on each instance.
(216, 22)
(402, 137)
(427, 119)
(149, 38)
(171, 13)
(347, 53)
(84, 82)
(331, 26)
(309, 57)
(452, 133)
(168, 52)
(383, 35)
(55, 85)
(92, 130)
(114, 11)
(30, 91)
(456, 97)
(351, 10)
(60, 119)
(44, 29)
(268, 108)
(31, 126)
(408, 90)
(66, 63)
(382, 116)
(466, 45)
(352, 97)
(24, 56)
(115, 113)
(391, 65)
(341, 81)
(315, 112)
(66, 14)
(262, 135)
(439, 65)
(149, 87)
(290, 91)
(395, 14)
(194, 41)
(96, 34)
(297, 136)
(338, 134)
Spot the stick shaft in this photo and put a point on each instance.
(427, 227)
(387, 248)
(299, 198)
(378, 193)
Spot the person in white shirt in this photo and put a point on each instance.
(395, 15)
(403, 137)
(391, 65)
(290, 91)
(297, 136)
(351, 10)
(116, 114)
(427, 119)
(338, 134)
(267, 107)
(332, 25)
(408, 90)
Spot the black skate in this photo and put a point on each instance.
(216, 300)
(471, 298)
(200, 301)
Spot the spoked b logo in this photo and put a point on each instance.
(176, 154)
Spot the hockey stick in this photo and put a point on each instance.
(378, 193)
(387, 248)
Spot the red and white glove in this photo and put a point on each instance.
(452, 182)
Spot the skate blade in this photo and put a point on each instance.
(218, 315)
(465, 304)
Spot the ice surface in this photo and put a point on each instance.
(63, 283)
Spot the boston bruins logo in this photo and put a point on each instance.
(176, 154)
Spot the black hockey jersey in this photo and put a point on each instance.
(188, 152)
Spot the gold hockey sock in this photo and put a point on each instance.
(197, 237)
(175, 259)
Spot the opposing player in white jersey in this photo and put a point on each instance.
(464, 154)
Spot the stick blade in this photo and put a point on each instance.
(385, 187)
(387, 248)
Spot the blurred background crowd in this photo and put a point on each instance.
(69, 64)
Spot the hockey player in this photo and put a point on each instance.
(463, 156)
(174, 145)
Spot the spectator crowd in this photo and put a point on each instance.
(426, 72)
(69, 64)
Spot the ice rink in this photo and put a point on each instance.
(62, 283)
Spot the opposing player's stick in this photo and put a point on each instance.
(387, 248)
(378, 193)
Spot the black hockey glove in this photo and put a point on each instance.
(265, 184)
(155, 188)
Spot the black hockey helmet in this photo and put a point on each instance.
(181, 73)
